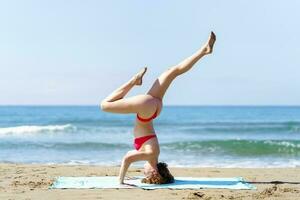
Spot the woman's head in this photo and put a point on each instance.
(160, 176)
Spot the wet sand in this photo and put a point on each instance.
(20, 181)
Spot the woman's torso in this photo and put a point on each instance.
(153, 106)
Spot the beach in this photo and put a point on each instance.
(31, 181)
(205, 89)
(260, 144)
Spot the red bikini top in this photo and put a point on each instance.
(148, 119)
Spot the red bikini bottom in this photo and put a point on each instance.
(138, 142)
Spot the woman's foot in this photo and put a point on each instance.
(138, 78)
(208, 47)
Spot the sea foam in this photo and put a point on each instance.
(19, 130)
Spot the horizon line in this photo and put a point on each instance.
(183, 105)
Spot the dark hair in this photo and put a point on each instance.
(165, 173)
(162, 177)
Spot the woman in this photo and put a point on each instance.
(148, 107)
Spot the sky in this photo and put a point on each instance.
(76, 52)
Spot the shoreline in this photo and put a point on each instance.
(31, 181)
(140, 166)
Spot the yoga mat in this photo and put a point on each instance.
(180, 183)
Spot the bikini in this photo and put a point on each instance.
(138, 142)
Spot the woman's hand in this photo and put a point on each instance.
(132, 185)
(128, 178)
(130, 157)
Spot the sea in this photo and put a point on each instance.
(189, 136)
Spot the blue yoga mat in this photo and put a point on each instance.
(180, 183)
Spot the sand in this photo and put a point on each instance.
(20, 181)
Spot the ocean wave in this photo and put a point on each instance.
(90, 122)
(192, 125)
(240, 127)
(251, 148)
(236, 148)
(19, 130)
(213, 162)
(228, 122)
(238, 163)
(76, 146)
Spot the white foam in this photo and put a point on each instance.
(19, 130)
(292, 163)
(283, 143)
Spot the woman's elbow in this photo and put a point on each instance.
(104, 106)
(128, 158)
(126, 162)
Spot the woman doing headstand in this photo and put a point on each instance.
(147, 107)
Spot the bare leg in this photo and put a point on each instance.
(161, 84)
(115, 102)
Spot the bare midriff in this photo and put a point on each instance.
(146, 128)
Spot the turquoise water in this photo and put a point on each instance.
(217, 136)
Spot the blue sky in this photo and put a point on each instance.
(77, 52)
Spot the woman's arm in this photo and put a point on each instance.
(130, 157)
